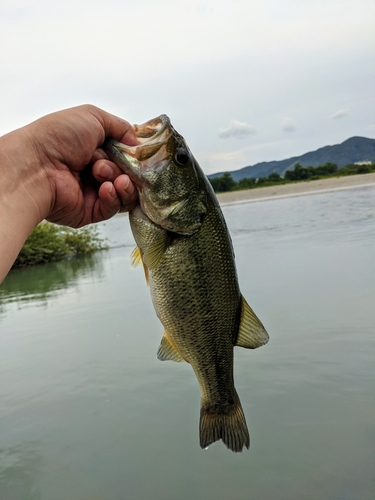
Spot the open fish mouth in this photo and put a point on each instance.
(153, 129)
(151, 136)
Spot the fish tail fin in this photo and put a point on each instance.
(229, 426)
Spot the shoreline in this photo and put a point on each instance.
(302, 188)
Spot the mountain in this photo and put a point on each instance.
(350, 151)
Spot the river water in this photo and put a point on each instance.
(87, 412)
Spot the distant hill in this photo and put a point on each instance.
(350, 151)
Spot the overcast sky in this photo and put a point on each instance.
(243, 81)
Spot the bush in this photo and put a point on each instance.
(274, 177)
(50, 243)
(364, 169)
(223, 183)
(246, 183)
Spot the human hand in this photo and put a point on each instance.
(77, 184)
(54, 169)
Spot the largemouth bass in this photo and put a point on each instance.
(187, 254)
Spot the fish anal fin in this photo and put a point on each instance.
(251, 333)
(167, 351)
(155, 251)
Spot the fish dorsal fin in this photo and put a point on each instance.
(251, 333)
(136, 257)
(167, 351)
(136, 260)
(155, 251)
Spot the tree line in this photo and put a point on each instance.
(226, 182)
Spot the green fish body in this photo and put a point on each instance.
(186, 250)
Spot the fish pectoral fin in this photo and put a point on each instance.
(156, 250)
(251, 333)
(167, 351)
(136, 260)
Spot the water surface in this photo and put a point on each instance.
(87, 412)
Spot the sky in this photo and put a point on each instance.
(243, 81)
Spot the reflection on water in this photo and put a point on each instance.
(39, 283)
(18, 468)
(88, 412)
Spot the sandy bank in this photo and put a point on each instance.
(298, 189)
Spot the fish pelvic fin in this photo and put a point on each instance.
(167, 351)
(229, 426)
(251, 333)
(136, 257)
(136, 260)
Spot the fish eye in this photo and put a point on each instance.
(181, 157)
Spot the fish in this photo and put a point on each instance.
(187, 254)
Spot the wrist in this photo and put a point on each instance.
(24, 195)
(24, 181)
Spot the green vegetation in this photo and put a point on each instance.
(227, 183)
(50, 243)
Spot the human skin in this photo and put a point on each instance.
(54, 169)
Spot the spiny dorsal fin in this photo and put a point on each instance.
(251, 333)
(156, 250)
(136, 257)
(167, 351)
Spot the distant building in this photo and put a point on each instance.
(363, 163)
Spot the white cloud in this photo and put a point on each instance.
(340, 114)
(287, 124)
(237, 129)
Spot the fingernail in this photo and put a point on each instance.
(129, 188)
(105, 171)
(129, 138)
(112, 191)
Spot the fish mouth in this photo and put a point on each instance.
(152, 130)
(151, 136)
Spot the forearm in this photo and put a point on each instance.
(20, 203)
